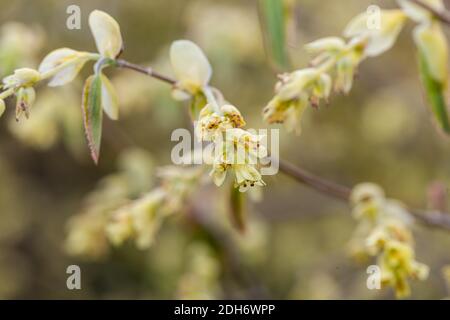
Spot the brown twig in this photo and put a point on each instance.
(147, 71)
(433, 219)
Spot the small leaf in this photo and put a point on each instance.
(435, 94)
(92, 112)
(110, 102)
(237, 209)
(273, 25)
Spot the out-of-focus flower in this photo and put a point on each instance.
(384, 232)
(379, 38)
(178, 183)
(13, 53)
(140, 220)
(111, 196)
(397, 264)
(86, 236)
(201, 278)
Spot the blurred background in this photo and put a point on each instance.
(296, 245)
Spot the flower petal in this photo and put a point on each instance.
(190, 64)
(379, 39)
(106, 32)
(75, 61)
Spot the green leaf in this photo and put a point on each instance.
(237, 209)
(435, 94)
(273, 28)
(92, 113)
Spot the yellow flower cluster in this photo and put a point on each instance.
(335, 58)
(201, 277)
(234, 147)
(141, 219)
(386, 223)
(218, 122)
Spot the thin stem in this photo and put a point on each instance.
(147, 71)
(313, 181)
(5, 94)
(433, 219)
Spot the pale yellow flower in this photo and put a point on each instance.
(379, 38)
(191, 67)
(106, 32)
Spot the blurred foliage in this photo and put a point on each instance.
(296, 241)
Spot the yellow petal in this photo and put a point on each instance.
(432, 43)
(106, 32)
(379, 39)
(297, 82)
(190, 64)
